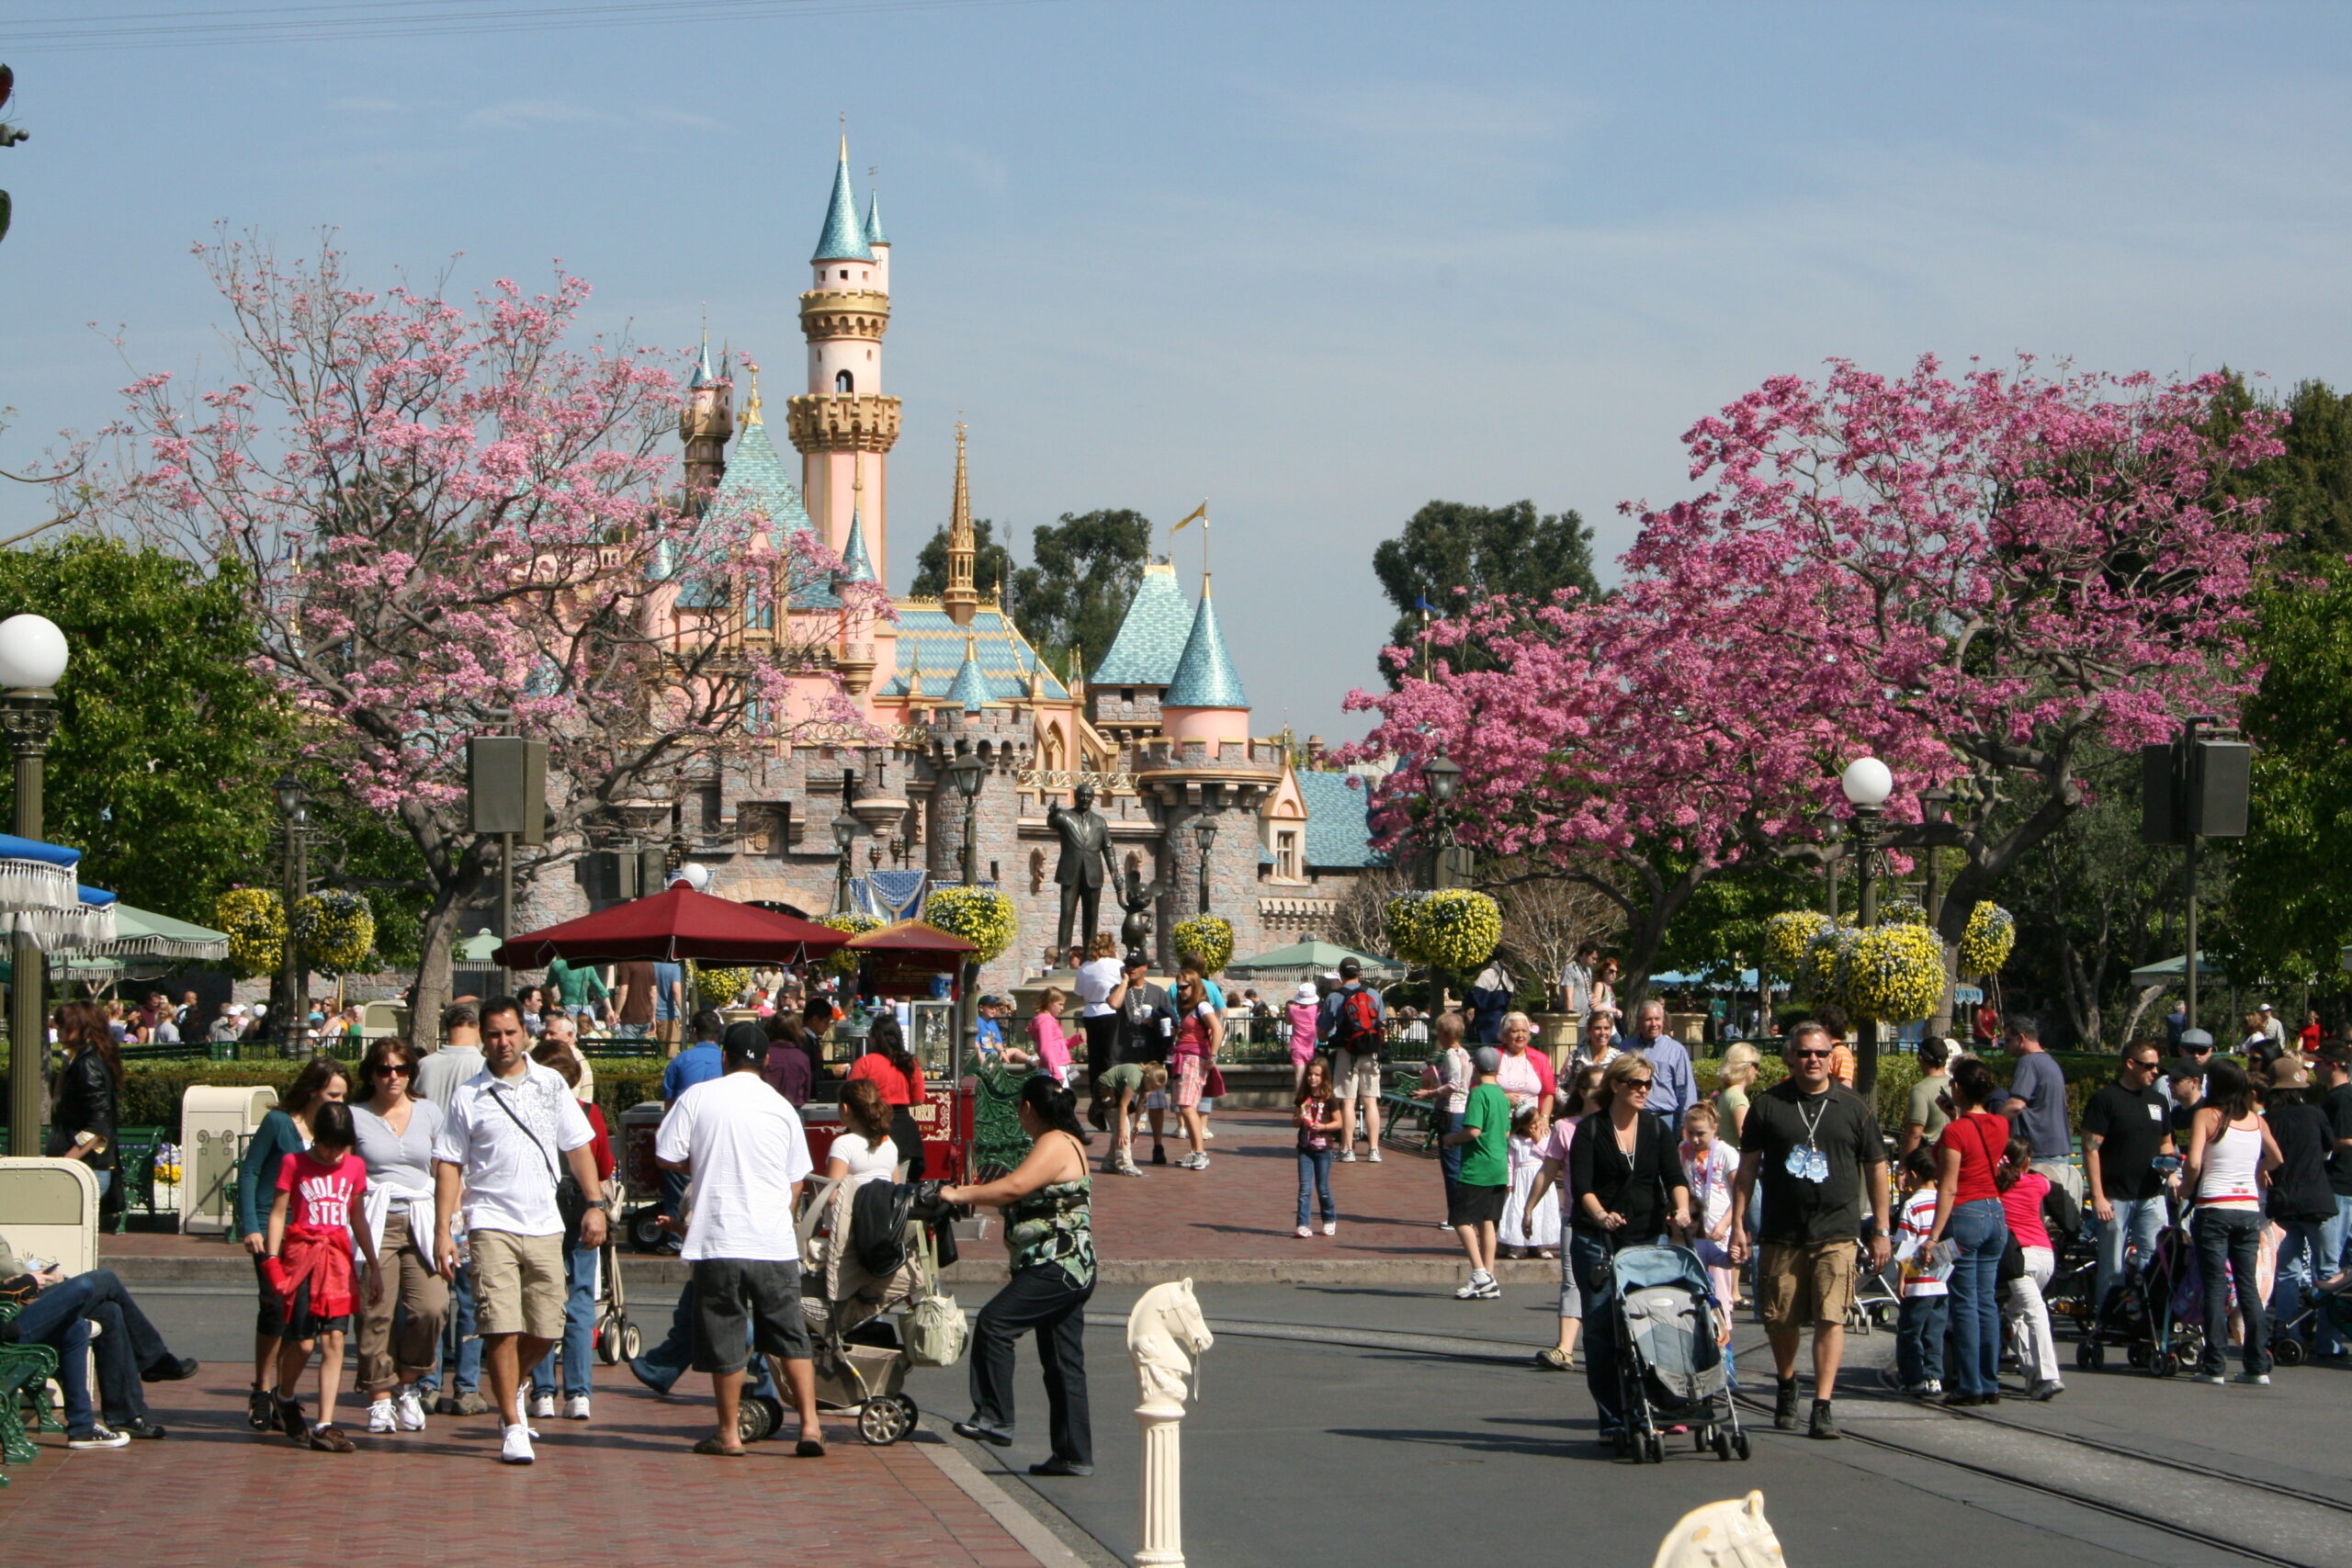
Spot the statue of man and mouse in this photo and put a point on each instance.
(1084, 866)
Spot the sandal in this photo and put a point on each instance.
(809, 1448)
(713, 1445)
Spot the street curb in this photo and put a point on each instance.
(1036, 1537)
(1436, 1269)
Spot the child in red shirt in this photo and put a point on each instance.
(308, 1266)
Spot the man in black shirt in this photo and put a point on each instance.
(1144, 1034)
(2126, 1126)
(1815, 1144)
(2334, 1070)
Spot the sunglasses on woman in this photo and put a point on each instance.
(400, 1068)
(1642, 1084)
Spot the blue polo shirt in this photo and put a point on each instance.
(696, 1063)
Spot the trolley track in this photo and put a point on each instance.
(2120, 1450)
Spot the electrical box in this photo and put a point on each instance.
(506, 787)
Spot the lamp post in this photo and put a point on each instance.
(1444, 777)
(32, 660)
(295, 812)
(1867, 783)
(970, 772)
(846, 826)
(1205, 835)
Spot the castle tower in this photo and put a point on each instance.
(961, 599)
(704, 422)
(844, 413)
(1205, 700)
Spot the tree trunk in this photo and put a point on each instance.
(2148, 994)
(438, 933)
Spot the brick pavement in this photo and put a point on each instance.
(620, 1489)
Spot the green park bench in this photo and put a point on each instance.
(24, 1372)
(134, 1171)
(1398, 1110)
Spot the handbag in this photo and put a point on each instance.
(932, 1329)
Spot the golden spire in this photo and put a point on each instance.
(752, 408)
(960, 600)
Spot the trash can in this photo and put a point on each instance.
(215, 1126)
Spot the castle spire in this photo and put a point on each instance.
(845, 237)
(960, 600)
(971, 691)
(857, 565)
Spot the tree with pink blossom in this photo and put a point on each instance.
(447, 521)
(1983, 581)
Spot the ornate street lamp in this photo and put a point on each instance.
(32, 660)
(1205, 835)
(295, 812)
(1867, 783)
(1442, 776)
(846, 826)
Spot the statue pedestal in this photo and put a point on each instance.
(1163, 1488)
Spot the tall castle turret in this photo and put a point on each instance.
(961, 598)
(704, 422)
(843, 413)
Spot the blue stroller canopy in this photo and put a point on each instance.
(1639, 1267)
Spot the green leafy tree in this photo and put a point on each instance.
(2308, 486)
(1085, 571)
(991, 562)
(168, 739)
(1485, 550)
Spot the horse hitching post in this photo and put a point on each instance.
(1165, 1336)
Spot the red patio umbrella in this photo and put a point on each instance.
(911, 947)
(681, 923)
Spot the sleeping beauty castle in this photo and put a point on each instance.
(1159, 727)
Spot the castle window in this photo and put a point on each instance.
(844, 275)
(842, 382)
(1286, 856)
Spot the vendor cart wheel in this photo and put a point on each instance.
(2166, 1365)
(632, 1342)
(644, 1234)
(884, 1421)
(608, 1342)
(1722, 1445)
(1739, 1441)
(2287, 1350)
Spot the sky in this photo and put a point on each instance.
(1318, 264)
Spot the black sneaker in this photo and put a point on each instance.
(171, 1369)
(291, 1421)
(1825, 1424)
(1784, 1405)
(1159, 1154)
(261, 1410)
(142, 1427)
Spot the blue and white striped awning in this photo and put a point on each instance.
(42, 896)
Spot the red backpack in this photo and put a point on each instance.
(1355, 1028)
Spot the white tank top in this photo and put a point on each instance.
(2227, 1181)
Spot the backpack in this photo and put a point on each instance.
(1356, 1026)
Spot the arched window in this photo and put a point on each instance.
(843, 383)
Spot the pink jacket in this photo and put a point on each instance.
(1303, 1017)
(1053, 1045)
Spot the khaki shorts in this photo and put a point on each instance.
(1810, 1282)
(1355, 1078)
(519, 1284)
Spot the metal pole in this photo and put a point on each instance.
(968, 1015)
(288, 976)
(1865, 840)
(31, 720)
(2186, 802)
(505, 907)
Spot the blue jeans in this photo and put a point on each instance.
(579, 1342)
(461, 1344)
(1979, 1233)
(1313, 1178)
(660, 1367)
(61, 1317)
(1449, 1156)
(1922, 1327)
(2229, 1251)
(2135, 1227)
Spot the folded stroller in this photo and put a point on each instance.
(1670, 1355)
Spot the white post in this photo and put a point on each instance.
(1165, 1336)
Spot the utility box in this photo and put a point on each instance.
(49, 1208)
(215, 1126)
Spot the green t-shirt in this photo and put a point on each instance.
(576, 987)
(1486, 1160)
(1923, 1112)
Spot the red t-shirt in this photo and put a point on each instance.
(1981, 1138)
(897, 1089)
(323, 1197)
(600, 1144)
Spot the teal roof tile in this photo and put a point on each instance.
(845, 236)
(1151, 637)
(929, 641)
(1339, 820)
(758, 485)
(874, 234)
(1204, 675)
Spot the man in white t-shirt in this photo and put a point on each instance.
(1101, 984)
(740, 1144)
(508, 1131)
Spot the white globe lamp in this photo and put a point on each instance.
(695, 874)
(32, 653)
(1867, 782)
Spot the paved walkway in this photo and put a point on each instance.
(620, 1489)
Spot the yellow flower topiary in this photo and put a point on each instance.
(1984, 946)
(981, 915)
(1895, 973)
(1205, 939)
(254, 918)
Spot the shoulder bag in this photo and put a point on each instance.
(570, 1202)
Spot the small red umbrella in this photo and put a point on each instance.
(911, 947)
(681, 923)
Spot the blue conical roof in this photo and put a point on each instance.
(971, 691)
(874, 234)
(1151, 635)
(845, 236)
(857, 565)
(1204, 676)
(758, 482)
(704, 374)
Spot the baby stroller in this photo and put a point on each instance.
(1670, 1357)
(2142, 1313)
(2326, 1301)
(617, 1338)
(849, 1281)
(1877, 1299)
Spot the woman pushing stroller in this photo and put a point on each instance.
(1627, 1177)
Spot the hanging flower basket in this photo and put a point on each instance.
(1904, 910)
(981, 915)
(254, 918)
(844, 962)
(1895, 973)
(336, 930)
(1821, 976)
(1984, 946)
(1207, 940)
(719, 988)
(1787, 935)
(1453, 928)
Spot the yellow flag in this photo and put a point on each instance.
(1200, 511)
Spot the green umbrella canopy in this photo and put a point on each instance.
(479, 948)
(1316, 955)
(142, 933)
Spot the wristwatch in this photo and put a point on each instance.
(603, 1204)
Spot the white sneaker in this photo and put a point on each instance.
(1330, 1227)
(1346, 1156)
(1208, 1133)
(1469, 1293)
(408, 1411)
(1306, 1230)
(516, 1446)
(542, 1404)
(2252, 1379)
(379, 1415)
(101, 1438)
(1374, 1157)
(576, 1407)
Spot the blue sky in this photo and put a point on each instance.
(1320, 263)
